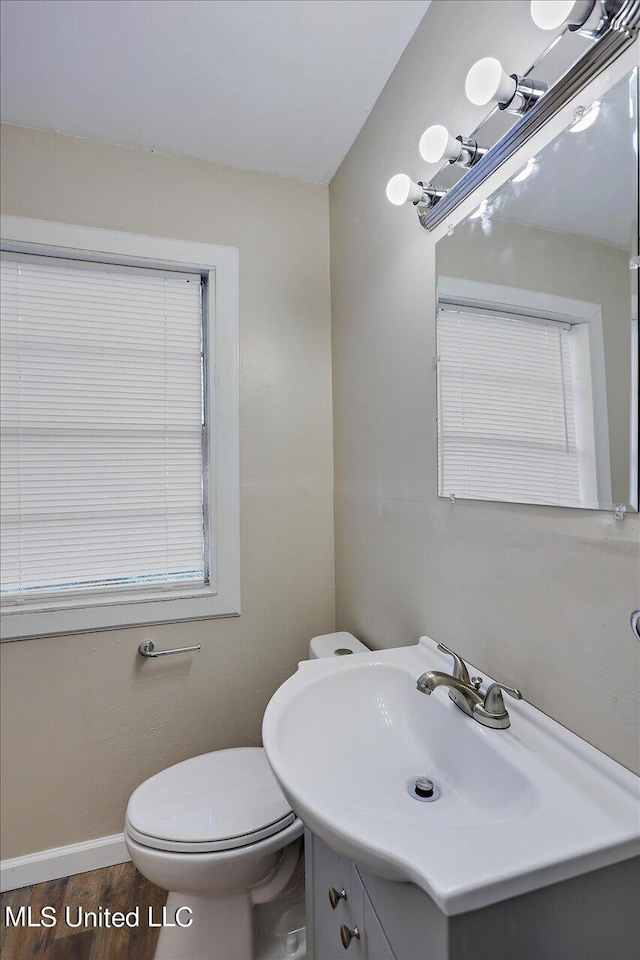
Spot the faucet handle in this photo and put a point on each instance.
(460, 671)
(493, 701)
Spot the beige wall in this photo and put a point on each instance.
(537, 596)
(84, 719)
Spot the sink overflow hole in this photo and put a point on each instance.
(423, 789)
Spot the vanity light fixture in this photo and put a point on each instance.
(402, 189)
(437, 144)
(488, 82)
(613, 25)
(589, 18)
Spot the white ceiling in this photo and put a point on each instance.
(277, 86)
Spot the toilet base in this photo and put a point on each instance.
(221, 929)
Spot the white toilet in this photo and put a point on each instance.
(219, 834)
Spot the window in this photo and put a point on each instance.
(117, 451)
(515, 405)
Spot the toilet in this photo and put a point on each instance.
(217, 832)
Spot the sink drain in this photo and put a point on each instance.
(423, 789)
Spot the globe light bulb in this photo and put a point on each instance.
(551, 14)
(488, 82)
(437, 144)
(402, 189)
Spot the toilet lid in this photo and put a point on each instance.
(217, 801)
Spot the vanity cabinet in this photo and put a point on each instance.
(354, 914)
(339, 911)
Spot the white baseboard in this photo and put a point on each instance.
(62, 862)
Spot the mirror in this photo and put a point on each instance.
(537, 324)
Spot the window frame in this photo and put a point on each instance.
(218, 264)
(586, 319)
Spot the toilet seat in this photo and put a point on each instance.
(211, 846)
(217, 801)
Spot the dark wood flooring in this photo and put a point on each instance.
(119, 888)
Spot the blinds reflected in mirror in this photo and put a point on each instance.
(102, 429)
(513, 417)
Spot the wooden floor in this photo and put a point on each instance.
(116, 888)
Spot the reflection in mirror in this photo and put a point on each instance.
(537, 324)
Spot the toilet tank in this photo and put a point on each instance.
(335, 645)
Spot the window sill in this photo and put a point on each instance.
(24, 624)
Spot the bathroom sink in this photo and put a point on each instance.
(515, 809)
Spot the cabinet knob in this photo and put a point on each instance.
(335, 896)
(347, 935)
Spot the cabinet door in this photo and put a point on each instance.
(412, 924)
(333, 872)
(376, 944)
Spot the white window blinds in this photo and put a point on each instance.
(102, 429)
(506, 418)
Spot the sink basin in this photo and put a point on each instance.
(517, 809)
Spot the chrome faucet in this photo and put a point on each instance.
(488, 708)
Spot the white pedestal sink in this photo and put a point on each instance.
(518, 809)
